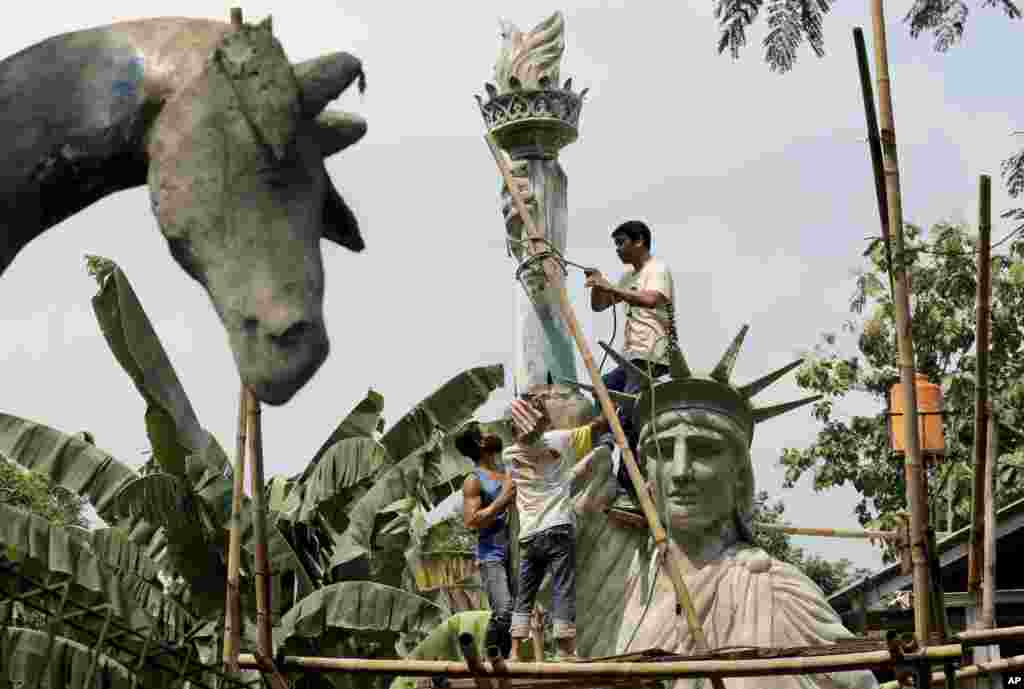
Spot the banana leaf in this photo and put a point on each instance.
(24, 661)
(326, 490)
(171, 423)
(445, 409)
(404, 479)
(361, 422)
(40, 550)
(357, 606)
(66, 461)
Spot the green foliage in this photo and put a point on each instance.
(793, 22)
(337, 532)
(449, 536)
(33, 492)
(829, 576)
(854, 450)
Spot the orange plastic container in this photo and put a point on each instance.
(929, 421)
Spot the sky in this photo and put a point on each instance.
(757, 186)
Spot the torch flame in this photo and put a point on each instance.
(530, 56)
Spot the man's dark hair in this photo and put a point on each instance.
(636, 231)
(468, 442)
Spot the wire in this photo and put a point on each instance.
(556, 255)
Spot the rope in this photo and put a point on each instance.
(553, 253)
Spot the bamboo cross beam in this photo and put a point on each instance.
(667, 668)
(914, 470)
(671, 556)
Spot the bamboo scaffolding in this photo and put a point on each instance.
(671, 556)
(254, 442)
(914, 470)
(969, 671)
(977, 536)
(233, 613)
(631, 519)
(830, 533)
(874, 145)
(988, 575)
(754, 667)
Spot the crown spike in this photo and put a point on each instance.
(614, 394)
(677, 363)
(751, 389)
(723, 370)
(765, 413)
(626, 363)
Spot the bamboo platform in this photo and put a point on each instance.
(647, 667)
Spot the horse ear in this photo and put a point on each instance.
(264, 84)
(336, 131)
(340, 224)
(324, 78)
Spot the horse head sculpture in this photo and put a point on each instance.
(231, 139)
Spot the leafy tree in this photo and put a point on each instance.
(31, 491)
(792, 22)
(830, 576)
(854, 450)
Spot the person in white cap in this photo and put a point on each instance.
(543, 464)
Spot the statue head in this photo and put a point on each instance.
(695, 438)
(239, 188)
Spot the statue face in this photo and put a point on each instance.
(693, 459)
(240, 190)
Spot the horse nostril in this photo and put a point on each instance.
(293, 334)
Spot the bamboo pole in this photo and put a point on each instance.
(752, 667)
(988, 575)
(254, 441)
(983, 637)
(914, 470)
(232, 606)
(969, 671)
(977, 537)
(829, 533)
(874, 145)
(630, 519)
(672, 556)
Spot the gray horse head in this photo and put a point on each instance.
(240, 191)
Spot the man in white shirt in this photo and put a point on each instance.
(543, 464)
(647, 290)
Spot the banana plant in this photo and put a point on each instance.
(336, 551)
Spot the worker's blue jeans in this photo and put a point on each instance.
(496, 577)
(621, 380)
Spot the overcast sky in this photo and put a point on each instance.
(757, 186)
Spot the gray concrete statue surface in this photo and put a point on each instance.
(695, 440)
(231, 139)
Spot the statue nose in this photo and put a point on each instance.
(287, 331)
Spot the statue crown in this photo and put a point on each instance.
(680, 389)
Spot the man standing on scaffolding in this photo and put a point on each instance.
(544, 463)
(647, 290)
(487, 494)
